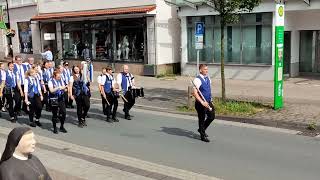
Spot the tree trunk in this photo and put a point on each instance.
(223, 90)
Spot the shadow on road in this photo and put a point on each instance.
(180, 132)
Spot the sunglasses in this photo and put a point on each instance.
(66, 65)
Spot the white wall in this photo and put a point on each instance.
(167, 34)
(52, 6)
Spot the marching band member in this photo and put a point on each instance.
(56, 97)
(19, 72)
(110, 93)
(33, 96)
(10, 92)
(100, 87)
(79, 91)
(126, 82)
(203, 104)
(47, 75)
(67, 74)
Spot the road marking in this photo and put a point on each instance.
(125, 160)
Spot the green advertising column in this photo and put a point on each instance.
(278, 71)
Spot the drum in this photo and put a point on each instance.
(137, 92)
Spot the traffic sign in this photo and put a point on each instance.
(199, 28)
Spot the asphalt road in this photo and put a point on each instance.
(234, 153)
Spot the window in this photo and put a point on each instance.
(25, 37)
(108, 40)
(247, 42)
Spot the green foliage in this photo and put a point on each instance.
(232, 108)
(312, 126)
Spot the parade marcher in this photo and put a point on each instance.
(126, 83)
(17, 161)
(79, 90)
(56, 98)
(203, 104)
(67, 72)
(47, 75)
(100, 87)
(33, 97)
(2, 85)
(110, 93)
(19, 72)
(10, 92)
(28, 65)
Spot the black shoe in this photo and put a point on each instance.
(204, 139)
(84, 123)
(38, 123)
(127, 117)
(13, 120)
(55, 131)
(18, 113)
(62, 129)
(80, 125)
(32, 124)
(204, 133)
(115, 119)
(71, 106)
(109, 120)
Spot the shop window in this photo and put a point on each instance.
(25, 37)
(253, 32)
(108, 40)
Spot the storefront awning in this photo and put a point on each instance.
(115, 11)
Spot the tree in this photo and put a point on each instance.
(229, 11)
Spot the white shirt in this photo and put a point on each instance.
(3, 75)
(129, 81)
(197, 81)
(47, 55)
(26, 84)
(20, 71)
(104, 78)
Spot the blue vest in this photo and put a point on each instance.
(205, 88)
(58, 93)
(11, 82)
(33, 87)
(108, 85)
(79, 87)
(124, 83)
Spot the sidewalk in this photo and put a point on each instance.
(301, 96)
(67, 161)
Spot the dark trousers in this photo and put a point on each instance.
(128, 105)
(59, 110)
(204, 115)
(113, 107)
(104, 105)
(2, 99)
(83, 106)
(17, 100)
(68, 101)
(24, 105)
(35, 107)
(46, 98)
(9, 100)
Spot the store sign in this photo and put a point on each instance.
(49, 36)
(278, 71)
(199, 32)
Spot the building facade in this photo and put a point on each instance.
(142, 33)
(249, 43)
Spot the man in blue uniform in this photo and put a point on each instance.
(203, 104)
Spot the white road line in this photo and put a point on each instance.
(126, 160)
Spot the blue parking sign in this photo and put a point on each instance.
(199, 28)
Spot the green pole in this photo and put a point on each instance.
(279, 46)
